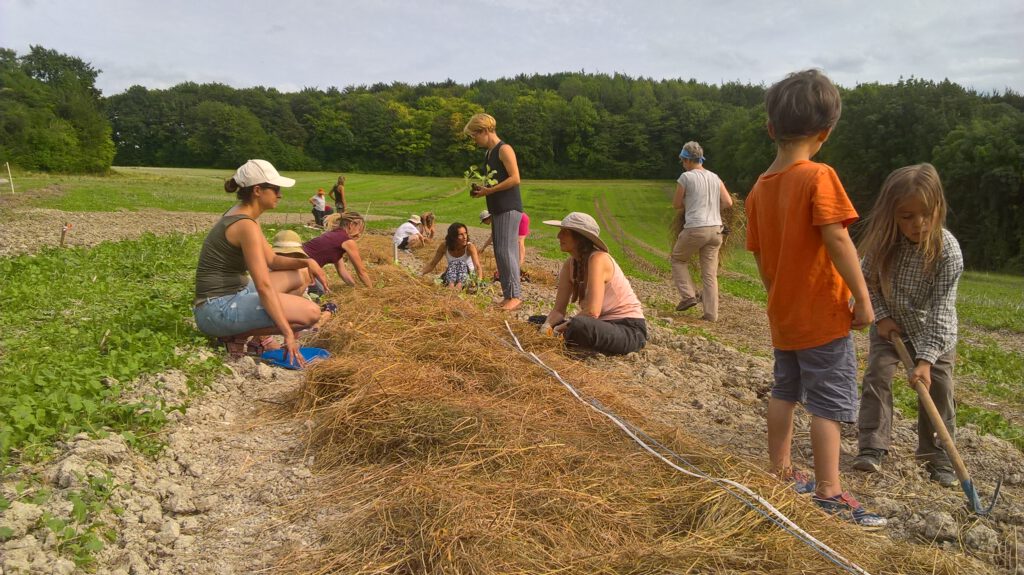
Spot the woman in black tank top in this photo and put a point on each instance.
(504, 202)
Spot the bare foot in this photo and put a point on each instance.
(511, 304)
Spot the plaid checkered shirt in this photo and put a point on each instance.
(923, 305)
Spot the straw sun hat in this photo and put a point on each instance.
(583, 224)
(288, 243)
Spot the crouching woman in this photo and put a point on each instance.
(243, 288)
(610, 318)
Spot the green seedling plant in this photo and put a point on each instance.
(83, 534)
(473, 176)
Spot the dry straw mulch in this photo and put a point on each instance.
(442, 449)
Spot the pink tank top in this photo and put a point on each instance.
(619, 300)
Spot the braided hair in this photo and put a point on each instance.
(580, 266)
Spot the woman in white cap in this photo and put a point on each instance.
(610, 318)
(243, 288)
(703, 195)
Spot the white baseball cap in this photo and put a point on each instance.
(260, 172)
(484, 215)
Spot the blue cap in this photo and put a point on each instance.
(684, 154)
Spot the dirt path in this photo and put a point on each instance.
(218, 500)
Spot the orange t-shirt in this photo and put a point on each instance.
(808, 303)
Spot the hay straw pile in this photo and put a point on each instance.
(441, 449)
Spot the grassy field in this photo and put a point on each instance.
(641, 211)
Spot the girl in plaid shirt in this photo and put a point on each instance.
(912, 265)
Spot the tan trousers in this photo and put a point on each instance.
(707, 240)
(874, 423)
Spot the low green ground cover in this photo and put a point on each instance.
(78, 324)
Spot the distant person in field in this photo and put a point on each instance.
(504, 202)
(524, 231)
(797, 213)
(460, 254)
(610, 318)
(319, 203)
(243, 288)
(338, 195)
(409, 235)
(339, 241)
(426, 226)
(702, 195)
(912, 265)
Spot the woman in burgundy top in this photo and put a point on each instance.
(329, 247)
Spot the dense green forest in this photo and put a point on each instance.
(568, 125)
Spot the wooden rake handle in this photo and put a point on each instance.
(933, 413)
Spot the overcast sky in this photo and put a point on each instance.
(294, 44)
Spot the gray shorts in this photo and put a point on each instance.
(823, 379)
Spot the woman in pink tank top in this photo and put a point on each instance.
(610, 318)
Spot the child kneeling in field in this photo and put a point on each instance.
(912, 265)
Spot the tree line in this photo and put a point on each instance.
(566, 125)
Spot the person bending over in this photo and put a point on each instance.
(338, 242)
(408, 235)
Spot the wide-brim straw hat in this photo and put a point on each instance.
(583, 224)
(288, 243)
(414, 219)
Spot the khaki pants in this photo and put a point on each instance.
(707, 240)
(874, 422)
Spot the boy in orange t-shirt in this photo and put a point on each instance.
(797, 215)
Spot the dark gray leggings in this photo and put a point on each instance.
(612, 337)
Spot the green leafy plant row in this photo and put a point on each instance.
(78, 325)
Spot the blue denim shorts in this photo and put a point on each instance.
(823, 379)
(232, 314)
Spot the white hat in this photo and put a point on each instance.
(260, 172)
(414, 219)
(583, 224)
(484, 215)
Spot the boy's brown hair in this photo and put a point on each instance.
(803, 104)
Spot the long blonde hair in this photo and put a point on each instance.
(882, 235)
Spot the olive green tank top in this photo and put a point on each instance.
(221, 269)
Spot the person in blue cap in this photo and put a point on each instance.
(702, 195)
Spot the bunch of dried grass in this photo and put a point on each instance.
(443, 450)
(733, 217)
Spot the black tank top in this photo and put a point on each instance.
(506, 200)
